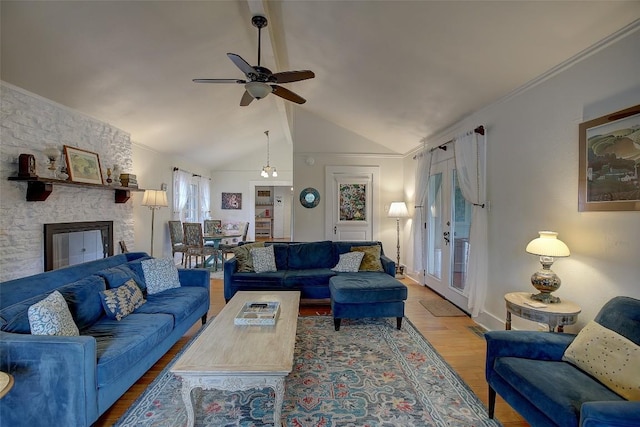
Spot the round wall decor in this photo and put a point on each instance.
(309, 197)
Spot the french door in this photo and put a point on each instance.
(448, 223)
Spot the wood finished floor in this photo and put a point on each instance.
(452, 337)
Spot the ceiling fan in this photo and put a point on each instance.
(260, 81)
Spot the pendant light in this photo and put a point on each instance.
(268, 170)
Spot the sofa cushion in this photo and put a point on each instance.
(179, 302)
(309, 277)
(310, 255)
(371, 260)
(349, 262)
(51, 316)
(570, 386)
(121, 301)
(118, 276)
(609, 357)
(366, 287)
(121, 344)
(82, 298)
(242, 254)
(263, 259)
(275, 277)
(160, 274)
(281, 253)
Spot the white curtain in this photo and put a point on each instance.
(180, 193)
(470, 157)
(418, 231)
(205, 198)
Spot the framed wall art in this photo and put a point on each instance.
(609, 163)
(84, 166)
(231, 201)
(353, 202)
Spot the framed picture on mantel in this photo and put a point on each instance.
(609, 162)
(83, 165)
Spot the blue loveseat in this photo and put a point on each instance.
(72, 380)
(303, 266)
(527, 370)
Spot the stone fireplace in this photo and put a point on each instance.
(70, 243)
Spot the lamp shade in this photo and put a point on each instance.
(258, 89)
(154, 198)
(549, 245)
(398, 210)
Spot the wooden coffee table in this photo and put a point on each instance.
(230, 357)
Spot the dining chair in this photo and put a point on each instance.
(212, 226)
(194, 242)
(228, 248)
(177, 240)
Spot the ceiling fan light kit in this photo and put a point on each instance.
(258, 90)
(260, 81)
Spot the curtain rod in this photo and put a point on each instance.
(193, 174)
(443, 146)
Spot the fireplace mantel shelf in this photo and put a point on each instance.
(38, 189)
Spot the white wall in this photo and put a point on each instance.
(30, 123)
(533, 185)
(154, 169)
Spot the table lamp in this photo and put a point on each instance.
(398, 210)
(548, 247)
(154, 199)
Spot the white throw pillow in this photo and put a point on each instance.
(160, 274)
(349, 262)
(264, 259)
(51, 316)
(608, 356)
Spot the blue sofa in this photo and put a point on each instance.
(71, 381)
(527, 370)
(303, 266)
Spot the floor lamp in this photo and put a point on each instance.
(398, 210)
(154, 199)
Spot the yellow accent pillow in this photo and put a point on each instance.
(243, 254)
(609, 357)
(371, 260)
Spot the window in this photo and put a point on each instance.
(191, 208)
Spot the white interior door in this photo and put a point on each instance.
(350, 198)
(448, 219)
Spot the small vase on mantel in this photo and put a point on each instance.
(109, 180)
(116, 175)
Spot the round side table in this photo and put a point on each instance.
(555, 315)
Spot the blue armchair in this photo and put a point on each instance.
(526, 369)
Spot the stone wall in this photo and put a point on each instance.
(29, 124)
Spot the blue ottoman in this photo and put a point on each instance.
(366, 294)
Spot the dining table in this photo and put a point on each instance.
(214, 240)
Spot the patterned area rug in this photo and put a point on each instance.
(441, 308)
(367, 374)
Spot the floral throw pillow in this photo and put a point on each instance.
(121, 301)
(371, 260)
(349, 262)
(160, 274)
(264, 259)
(51, 316)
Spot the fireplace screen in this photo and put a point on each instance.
(76, 242)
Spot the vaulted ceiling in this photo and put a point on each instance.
(390, 71)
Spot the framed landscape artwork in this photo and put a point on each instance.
(231, 200)
(84, 166)
(610, 162)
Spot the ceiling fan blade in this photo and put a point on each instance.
(219, 81)
(287, 94)
(246, 99)
(293, 76)
(242, 64)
